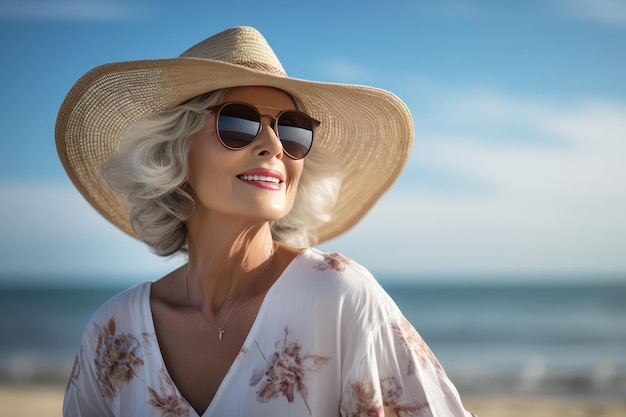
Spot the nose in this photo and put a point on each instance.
(267, 142)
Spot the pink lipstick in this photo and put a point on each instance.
(267, 179)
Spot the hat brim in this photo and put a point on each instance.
(369, 129)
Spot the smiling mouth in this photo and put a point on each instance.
(259, 178)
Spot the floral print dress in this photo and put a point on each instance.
(327, 341)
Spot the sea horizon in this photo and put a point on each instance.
(547, 338)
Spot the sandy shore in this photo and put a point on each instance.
(485, 406)
(46, 401)
(30, 401)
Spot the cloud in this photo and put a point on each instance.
(343, 70)
(579, 155)
(550, 201)
(604, 11)
(49, 230)
(553, 206)
(450, 9)
(53, 10)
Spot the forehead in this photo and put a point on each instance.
(261, 96)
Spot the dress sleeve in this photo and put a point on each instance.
(394, 373)
(83, 396)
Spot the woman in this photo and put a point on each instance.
(220, 155)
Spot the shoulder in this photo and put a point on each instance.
(331, 268)
(350, 282)
(335, 264)
(126, 309)
(340, 267)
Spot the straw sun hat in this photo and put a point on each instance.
(369, 129)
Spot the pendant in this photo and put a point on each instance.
(220, 330)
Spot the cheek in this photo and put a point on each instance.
(198, 168)
(294, 181)
(204, 157)
(295, 173)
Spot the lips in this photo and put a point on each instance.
(259, 178)
(263, 178)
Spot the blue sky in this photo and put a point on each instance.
(520, 113)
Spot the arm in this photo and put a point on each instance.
(83, 396)
(395, 373)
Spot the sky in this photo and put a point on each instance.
(517, 171)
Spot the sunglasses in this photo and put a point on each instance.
(238, 124)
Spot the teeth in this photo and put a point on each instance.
(259, 178)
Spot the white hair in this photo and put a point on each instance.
(150, 166)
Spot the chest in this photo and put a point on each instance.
(196, 358)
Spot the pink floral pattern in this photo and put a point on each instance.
(242, 352)
(416, 346)
(333, 261)
(393, 403)
(76, 368)
(366, 402)
(117, 358)
(286, 371)
(389, 403)
(381, 371)
(167, 400)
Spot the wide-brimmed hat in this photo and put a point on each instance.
(370, 130)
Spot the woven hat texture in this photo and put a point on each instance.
(368, 128)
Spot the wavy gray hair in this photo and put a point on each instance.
(150, 166)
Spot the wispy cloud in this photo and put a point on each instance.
(579, 134)
(52, 10)
(49, 229)
(556, 208)
(344, 70)
(449, 9)
(604, 11)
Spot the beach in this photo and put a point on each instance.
(495, 406)
(46, 401)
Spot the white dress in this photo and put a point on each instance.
(327, 341)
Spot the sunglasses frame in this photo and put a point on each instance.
(218, 108)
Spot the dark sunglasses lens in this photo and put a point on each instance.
(238, 124)
(295, 131)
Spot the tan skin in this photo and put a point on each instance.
(230, 245)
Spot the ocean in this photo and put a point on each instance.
(557, 340)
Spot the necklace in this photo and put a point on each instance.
(221, 329)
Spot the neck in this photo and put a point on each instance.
(221, 268)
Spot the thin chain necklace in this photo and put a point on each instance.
(221, 329)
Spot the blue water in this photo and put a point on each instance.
(554, 340)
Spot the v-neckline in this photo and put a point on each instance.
(236, 362)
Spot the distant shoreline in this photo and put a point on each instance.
(46, 400)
